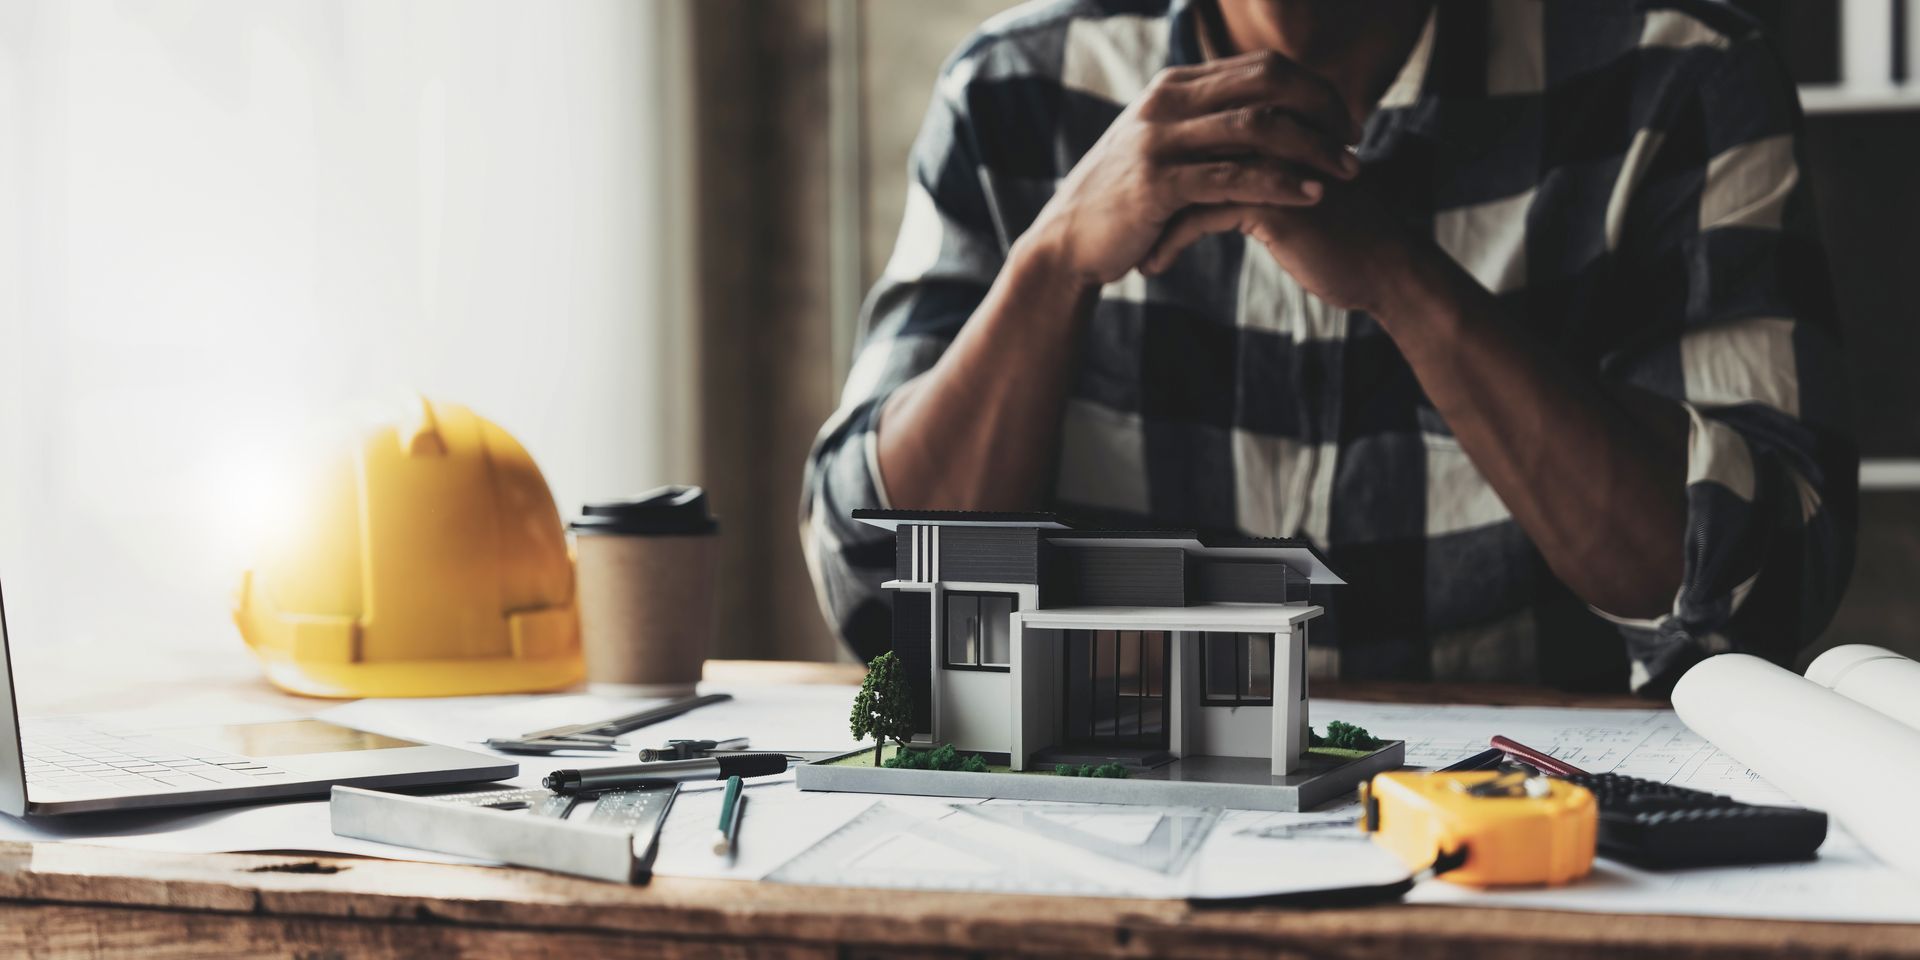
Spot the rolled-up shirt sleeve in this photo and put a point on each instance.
(1717, 246)
(948, 252)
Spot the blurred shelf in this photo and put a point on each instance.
(1878, 474)
(1832, 98)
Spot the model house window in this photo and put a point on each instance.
(979, 635)
(1114, 688)
(1238, 670)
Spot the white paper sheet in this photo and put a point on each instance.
(297, 826)
(1875, 677)
(1822, 749)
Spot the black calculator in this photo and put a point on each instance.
(1659, 826)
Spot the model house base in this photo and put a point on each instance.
(1236, 783)
(1179, 655)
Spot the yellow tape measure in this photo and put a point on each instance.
(1484, 828)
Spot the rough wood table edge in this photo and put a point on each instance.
(689, 912)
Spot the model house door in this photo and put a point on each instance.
(1116, 688)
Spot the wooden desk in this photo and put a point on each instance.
(73, 900)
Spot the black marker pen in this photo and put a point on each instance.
(666, 771)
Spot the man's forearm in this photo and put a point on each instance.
(1595, 474)
(979, 430)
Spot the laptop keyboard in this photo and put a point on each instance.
(80, 758)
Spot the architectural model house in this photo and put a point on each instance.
(1036, 643)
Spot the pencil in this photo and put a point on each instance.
(1534, 758)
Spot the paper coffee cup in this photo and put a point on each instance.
(646, 570)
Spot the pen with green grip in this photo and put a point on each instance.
(729, 818)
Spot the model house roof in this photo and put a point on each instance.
(892, 519)
(1200, 617)
(1059, 531)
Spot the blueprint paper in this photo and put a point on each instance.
(1160, 839)
(895, 846)
(1246, 853)
(1822, 749)
(781, 822)
(1845, 883)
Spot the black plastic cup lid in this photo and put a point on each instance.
(666, 511)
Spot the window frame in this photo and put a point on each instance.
(979, 647)
(1242, 659)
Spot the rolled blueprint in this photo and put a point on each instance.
(1874, 676)
(1825, 751)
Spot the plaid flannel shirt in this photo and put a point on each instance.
(1624, 176)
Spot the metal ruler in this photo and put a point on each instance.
(536, 828)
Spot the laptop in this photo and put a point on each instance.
(76, 765)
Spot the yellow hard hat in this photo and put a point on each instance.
(433, 563)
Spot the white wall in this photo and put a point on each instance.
(976, 711)
(1216, 731)
(231, 230)
(1037, 660)
(1232, 731)
(973, 709)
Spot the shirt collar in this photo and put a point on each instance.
(1186, 41)
(1412, 80)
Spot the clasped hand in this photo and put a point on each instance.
(1254, 144)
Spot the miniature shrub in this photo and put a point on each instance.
(942, 757)
(911, 759)
(1112, 771)
(1343, 736)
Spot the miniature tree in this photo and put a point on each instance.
(883, 709)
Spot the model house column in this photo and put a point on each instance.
(1020, 694)
(1183, 668)
(1289, 703)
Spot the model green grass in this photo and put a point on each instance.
(890, 759)
(864, 758)
(1343, 742)
(1338, 753)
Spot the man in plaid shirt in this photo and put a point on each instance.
(1514, 308)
